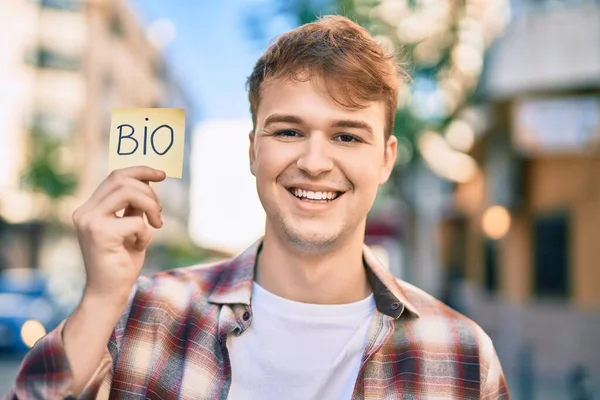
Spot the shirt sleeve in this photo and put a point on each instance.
(493, 382)
(45, 372)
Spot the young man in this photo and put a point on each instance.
(305, 313)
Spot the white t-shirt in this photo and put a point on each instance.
(296, 350)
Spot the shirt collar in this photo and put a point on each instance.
(234, 285)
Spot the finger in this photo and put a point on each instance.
(123, 177)
(123, 182)
(141, 173)
(144, 238)
(131, 197)
(134, 231)
(145, 187)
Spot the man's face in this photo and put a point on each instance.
(317, 166)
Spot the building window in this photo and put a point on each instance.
(47, 58)
(490, 264)
(116, 26)
(551, 255)
(66, 5)
(56, 126)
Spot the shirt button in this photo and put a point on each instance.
(246, 316)
(394, 306)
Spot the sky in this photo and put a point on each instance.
(212, 52)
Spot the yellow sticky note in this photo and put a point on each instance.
(153, 137)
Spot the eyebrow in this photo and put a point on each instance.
(348, 123)
(342, 123)
(279, 118)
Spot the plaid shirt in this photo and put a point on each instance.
(171, 343)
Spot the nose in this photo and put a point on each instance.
(315, 159)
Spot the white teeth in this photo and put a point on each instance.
(314, 195)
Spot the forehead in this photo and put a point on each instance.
(310, 100)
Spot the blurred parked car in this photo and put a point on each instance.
(27, 310)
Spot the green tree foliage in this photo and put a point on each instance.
(44, 172)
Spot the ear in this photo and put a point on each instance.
(252, 154)
(389, 159)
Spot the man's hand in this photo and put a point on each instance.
(114, 247)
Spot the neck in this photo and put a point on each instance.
(336, 276)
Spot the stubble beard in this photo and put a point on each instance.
(309, 243)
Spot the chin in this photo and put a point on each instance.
(306, 235)
(312, 241)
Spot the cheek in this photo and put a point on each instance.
(364, 173)
(262, 160)
(271, 160)
(268, 165)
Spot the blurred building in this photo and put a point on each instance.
(66, 65)
(521, 236)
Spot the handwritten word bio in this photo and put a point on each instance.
(153, 137)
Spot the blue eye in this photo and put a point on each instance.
(346, 138)
(287, 133)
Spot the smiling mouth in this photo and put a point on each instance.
(311, 196)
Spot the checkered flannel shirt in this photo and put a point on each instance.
(170, 342)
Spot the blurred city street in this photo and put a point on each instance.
(493, 208)
(8, 371)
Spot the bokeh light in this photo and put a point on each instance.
(496, 222)
(32, 331)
